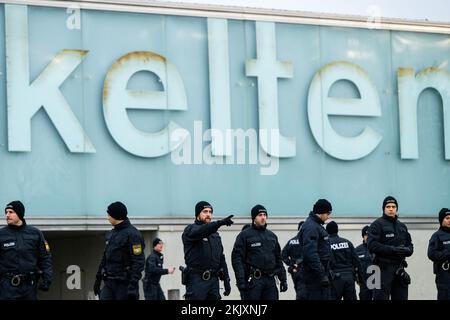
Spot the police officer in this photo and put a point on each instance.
(256, 259)
(390, 241)
(439, 253)
(24, 257)
(153, 272)
(365, 257)
(123, 259)
(345, 265)
(316, 252)
(292, 257)
(203, 255)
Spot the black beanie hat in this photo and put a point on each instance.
(200, 206)
(117, 210)
(322, 206)
(257, 210)
(442, 214)
(300, 225)
(18, 208)
(365, 231)
(156, 241)
(332, 228)
(389, 199)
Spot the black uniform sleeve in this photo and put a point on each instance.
(152, 268)
(195, 232)
(374, 241)
(99, 275)
(437, 253)
(137, 258)
(285, 255)
(45, 260)
(280, 271)
(238, 260)
(310, 238)
(224, 275)
(356, 263)
(408, 242)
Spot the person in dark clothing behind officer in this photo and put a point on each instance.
(24, 257)
(316, 252)
(365, 257)
(345, 265)
(439, 253)
(153, 272)
(256, 259)
(203, 255)
(292, 257)
(123, 259)
(390, 241)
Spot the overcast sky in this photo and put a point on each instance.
(432, 10)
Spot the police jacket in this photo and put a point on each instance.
(123, 257)
(316, 246)
(365, 257)
(23, 250)
(203, 248)
(292, 253)
(343, 256)
(439, 249)
(385, 235)
(257, 248)
(154, 267)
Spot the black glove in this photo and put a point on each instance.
(227, 221)
(293, 269)
(402, 251)
(283, 286)
(97, 284)
(324, 281)
(44, 286)
(226, 284)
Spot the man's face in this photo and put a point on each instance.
(12, 218)
(260, 219)
(390, 209)
(158, 247)
(365, 238)
(205, 215)
(324, 216)
(446, 221)
(112, 221)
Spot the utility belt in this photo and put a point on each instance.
(115, 276)
(205, 274)
(256, 273)
(20, 279)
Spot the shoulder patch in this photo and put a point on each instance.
(47, 247)
(137, 249)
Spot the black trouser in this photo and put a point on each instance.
(263, 288)
(391, 285)
(199, 289)
(299, 285)
(343, 286)
(26, 290)
(153, 291)
(115, 289)
(365, 294)
(313, 288)
(443, 285)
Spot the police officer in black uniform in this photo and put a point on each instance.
(256, 259)
(390, 241)
(123, 259)
(365, 257)
(292, 256)
(439, 253)
(316, 252)
(203, 255)
(345, 265)
(24, 257)
(153, 272)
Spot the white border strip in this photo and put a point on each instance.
(254, 14)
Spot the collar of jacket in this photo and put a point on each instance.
(316, 218)
(123, 224)
(262, 228)
(445, 229)
(393, 219)
(14, 227)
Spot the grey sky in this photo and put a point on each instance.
(432, 10)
